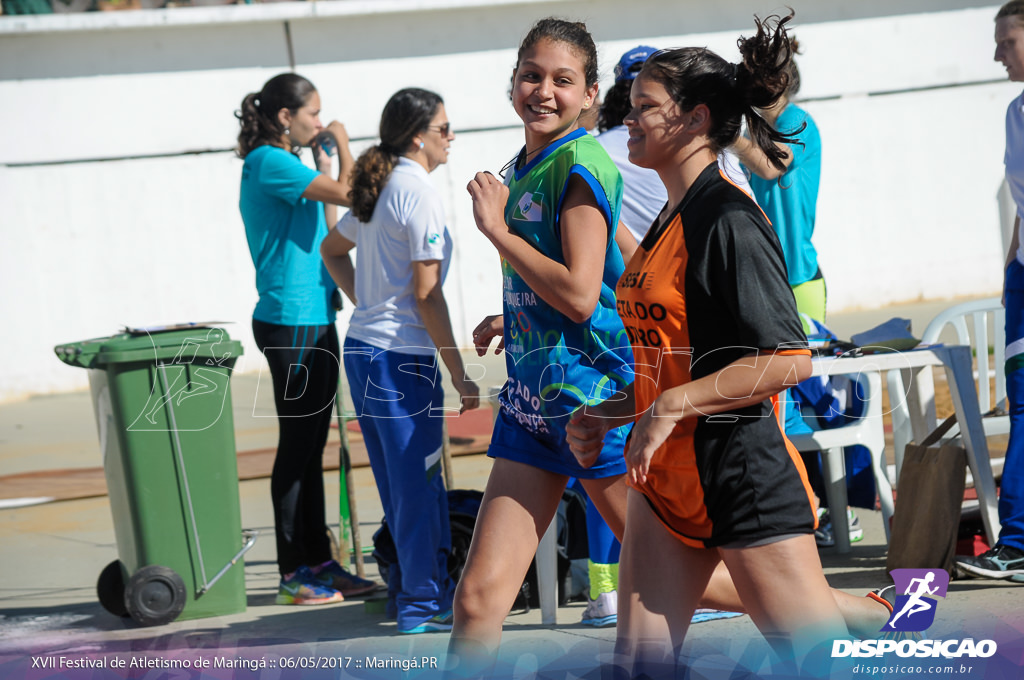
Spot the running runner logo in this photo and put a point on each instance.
(914, 611)
(530, 208)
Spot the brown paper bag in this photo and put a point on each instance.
(928, 502)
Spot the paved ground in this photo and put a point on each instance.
(51, 625)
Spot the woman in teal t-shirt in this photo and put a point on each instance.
(789, 197)
(283, 205)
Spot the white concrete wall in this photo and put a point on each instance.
(118, 190)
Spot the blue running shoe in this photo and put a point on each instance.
(436, 623)
(303, 588)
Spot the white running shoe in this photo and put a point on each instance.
(602, 612)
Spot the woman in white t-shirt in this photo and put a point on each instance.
(400, 325)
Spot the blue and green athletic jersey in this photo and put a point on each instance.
(554, 364)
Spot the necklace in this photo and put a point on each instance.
(505, 168)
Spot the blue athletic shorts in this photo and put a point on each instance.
(512, 442)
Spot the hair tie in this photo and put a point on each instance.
(256, 101)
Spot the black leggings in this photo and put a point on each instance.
(304, 368)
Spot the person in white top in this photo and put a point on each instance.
(644, 195)
(1006, 558)
(400, 325)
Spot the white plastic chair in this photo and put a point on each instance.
(972, 323)
(866, 431)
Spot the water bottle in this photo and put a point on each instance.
(326, 141)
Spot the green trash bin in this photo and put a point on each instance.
(162, 400)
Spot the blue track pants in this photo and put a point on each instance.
(394, 395)
(1011, 492)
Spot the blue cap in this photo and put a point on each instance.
(631, 62)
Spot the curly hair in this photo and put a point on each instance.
(406, 114)
(616, 106)
(258, 114)
(696, 75)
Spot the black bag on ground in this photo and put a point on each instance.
(929, 499)
(463, 506)
(571, 542)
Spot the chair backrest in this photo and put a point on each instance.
(971, 322)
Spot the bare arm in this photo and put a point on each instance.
(626, 242)
(572, 288)
(756, 160)
(335, 251)
(330, 214)
(433, 308)
(744, 382)
(333, 191)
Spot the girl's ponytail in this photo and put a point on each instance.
(696, 75)
(258, 115)
(407, 114)
(369, 176)
(766, 74)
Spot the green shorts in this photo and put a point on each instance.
(810, 301)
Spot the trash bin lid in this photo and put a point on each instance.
(81, 353)
(194, 344)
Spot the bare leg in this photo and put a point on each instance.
(785, 593)
(660, 583)
(609, 496)
(517, 507)
(864, 616)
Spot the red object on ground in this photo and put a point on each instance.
(972, 546)
(475, 423)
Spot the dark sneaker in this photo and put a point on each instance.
(348, 584)
(1001, 562)
(303, 588)
(885, 596)
(438, 622)
(824, 536)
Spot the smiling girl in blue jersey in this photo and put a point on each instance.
(553, 225)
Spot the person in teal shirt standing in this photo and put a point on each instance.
(790, 197)
(283, 204)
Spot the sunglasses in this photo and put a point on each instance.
(443, 129)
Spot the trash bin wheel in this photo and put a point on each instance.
(155, 595)
(110, 589)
